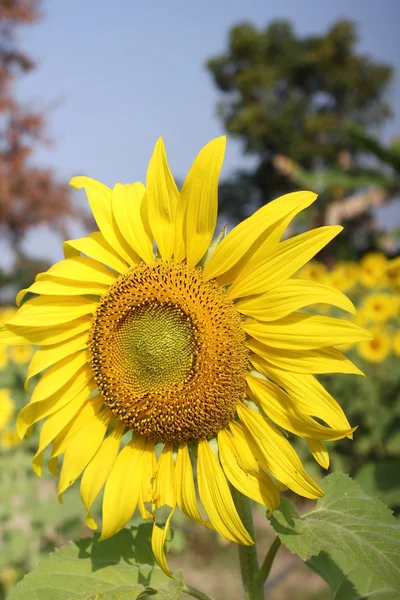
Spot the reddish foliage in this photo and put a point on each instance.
(29, 196)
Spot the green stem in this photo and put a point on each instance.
(195, 593)
(253, 589)
(263, 573)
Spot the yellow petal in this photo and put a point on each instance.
(48, 286)
(287, 259)
(51, 310)
(158, 538)
(162, 199)
(149, 471)
(319, 452)
(300, 331)
(186, 493)
(49, 355)
(122, 488)
(97, 471)
(95, 246)
(85, 434)
(82, 384)
(43, 336)
(81, 268)
(280, 458)
(126, 205)
(240, 240)
(216, 497)
(285, 412)
(53, 426)
(324, 360)
(259, 488)
(165, 480)
(200, 198)
(59, 375)
(289, 297)
(100, 200)
(311, 397)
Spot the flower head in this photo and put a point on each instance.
(153, 335)
(378, 348)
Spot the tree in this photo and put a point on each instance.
(293, 96)
(29, 196)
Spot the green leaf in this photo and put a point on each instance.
(347, 580)
(381, 479)
(349, 521)
(121, 568)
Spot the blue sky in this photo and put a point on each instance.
(122, 78)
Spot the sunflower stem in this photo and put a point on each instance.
(265, 569)
(253, 588)
(195, 593)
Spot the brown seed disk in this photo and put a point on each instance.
(168, 352)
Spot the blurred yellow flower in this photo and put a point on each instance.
(393, 272)
(373, 269)
(378, 308)
(314, 271)
(6, 407)
(9, 438)
(378, 348)
(21, 354)
(396, 343)
(343, 276)
(3, 357)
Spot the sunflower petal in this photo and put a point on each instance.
(158, 538)
(49, 355)
(100, 200)
(186, 493)
(82, 384)
(126, 205)
(240, 240)
(149, 471)
(282, 409)
(43, 336)
(98, 469)
(216, 497)
(53, 426)
(259, 488)
(319, 452)
(289, 297)
(95, 246)
(200, 198)
(323, 360)
(48, 286)
(301, 331)
(165, 480)
(287, 259)
(280, 458)
(311, 397)
(162, 200)
(85, 436)
(52, 310)
(122, 488)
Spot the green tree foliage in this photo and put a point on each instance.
(291, 95)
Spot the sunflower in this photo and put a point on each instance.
(21, 354)
(163, 352)
(373, 267)
(376, 349)
(315, 271)
(343, 276)
(378, 308)
(6, 407)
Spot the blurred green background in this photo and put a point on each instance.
(306, 94)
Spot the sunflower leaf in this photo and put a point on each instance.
(120, 568)
(345, 520)
(348, 581)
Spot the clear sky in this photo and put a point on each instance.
(125, 72)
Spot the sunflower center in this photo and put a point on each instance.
(156, 346)
(168, 352)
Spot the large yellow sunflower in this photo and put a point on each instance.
(159, 345)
